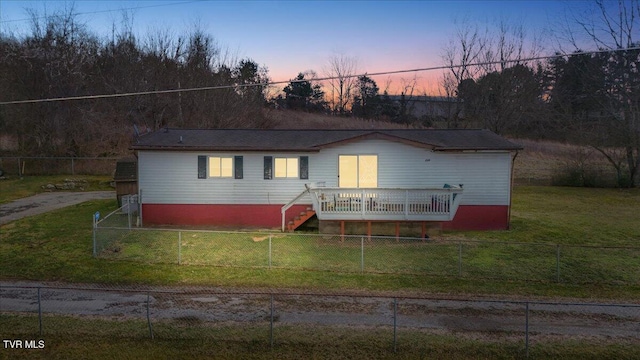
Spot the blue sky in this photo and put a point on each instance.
(293, 36)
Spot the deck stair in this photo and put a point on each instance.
(300, 219)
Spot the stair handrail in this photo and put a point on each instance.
(288, 205)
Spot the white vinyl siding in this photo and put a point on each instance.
(172, 177)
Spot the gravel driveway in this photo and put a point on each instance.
(471, 316)
(41, 203)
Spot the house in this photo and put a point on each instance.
(459, 179)
(430, 107)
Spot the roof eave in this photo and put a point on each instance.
(477, 148)
(218, 149)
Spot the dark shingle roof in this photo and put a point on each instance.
(314, 140)
(126, 169)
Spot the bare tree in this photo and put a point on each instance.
(342, 71)
(474, 53)
(613, 26)
(465, 48)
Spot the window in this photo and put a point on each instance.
(286, 167)
(358, 171)
(220, 167)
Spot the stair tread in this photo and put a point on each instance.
(300, 219)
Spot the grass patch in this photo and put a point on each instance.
(57, 246)
(570, 216)
(76, 337)
(14, 188)
(568, 235)
(530, 262)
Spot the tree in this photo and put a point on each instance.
(61, 58)
(341, 72)
(302, 94)
(612, 83)
(474, 53)
(501, 100)
(365, 103)
(250, 78)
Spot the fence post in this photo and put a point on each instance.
(140, 208)
(362, 254)
(39, 311)
(395, 325)
(269, 251)
(558, 263)
(271, 323)
(526, 331)
(149, 317)
(460, 258)
(179, 247)
(95, 229)
(129, 213)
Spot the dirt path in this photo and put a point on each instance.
(483, 317)
(41, 203)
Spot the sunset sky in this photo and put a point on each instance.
(289, 37)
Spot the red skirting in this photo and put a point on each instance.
(479, 217)
(468, 217)
(218, 215)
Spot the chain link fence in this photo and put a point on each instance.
(48, 165)
(314, 321)
(116, 237)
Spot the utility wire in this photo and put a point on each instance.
(101, 11)
(219, 87)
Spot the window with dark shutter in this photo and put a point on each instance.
(202, 167)
(238, 166)
(304, 167)
(268, 167)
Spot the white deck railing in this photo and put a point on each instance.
(438, 204)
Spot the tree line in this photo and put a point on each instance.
(492, 81)
(62, 58)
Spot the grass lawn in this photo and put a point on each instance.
(173, 339)
(14, 188)
(564, 215)
(57, 246)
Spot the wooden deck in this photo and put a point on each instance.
(385, 204)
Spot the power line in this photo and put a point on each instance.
(219, 87)
(101, 11)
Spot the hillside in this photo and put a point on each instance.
(291, 119)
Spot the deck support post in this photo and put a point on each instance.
(369, 231)
(342, 231)
(424, 230)
(397, 231)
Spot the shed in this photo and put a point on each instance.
(126, 177)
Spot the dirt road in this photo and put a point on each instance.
(479, 316)
(41, 203)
